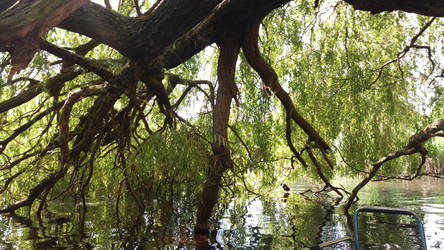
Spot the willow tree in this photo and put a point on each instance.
(81, 81)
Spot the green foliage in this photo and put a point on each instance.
(172, 158)
(334, 64)
(341, 67)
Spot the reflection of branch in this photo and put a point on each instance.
(407, 49)
(415, 145)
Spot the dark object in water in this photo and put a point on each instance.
(437, 244)
(59, 220)
(285, 187)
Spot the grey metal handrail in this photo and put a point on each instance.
(373, 209)
(329, 243)
(388, 210)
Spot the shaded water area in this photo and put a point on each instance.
(246, 222)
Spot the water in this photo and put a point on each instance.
(276, 222)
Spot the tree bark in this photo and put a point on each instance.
(221, 160)
(169, 35)
(145, 36)
(23, 23)
(424, 7)
(152, 35)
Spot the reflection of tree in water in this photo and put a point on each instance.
(379, 231)
(325, 206)
(237, 217)
(168, 222)
(291, 222)
(54, 230)
(311, 233)
(164, 222)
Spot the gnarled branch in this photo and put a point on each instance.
(415, 145)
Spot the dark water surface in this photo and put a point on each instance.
(275, 222)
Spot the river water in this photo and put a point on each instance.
(281, 221)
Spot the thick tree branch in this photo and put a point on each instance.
(73, 97)
(270, 79)
(145, 36)
(231, 15)
(87, 63)
(24, 23)
(424, 7)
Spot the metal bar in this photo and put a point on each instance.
(329, 243)
(388, 210)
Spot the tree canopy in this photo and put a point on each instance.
(150, 95)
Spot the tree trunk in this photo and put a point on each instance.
(221, 159)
